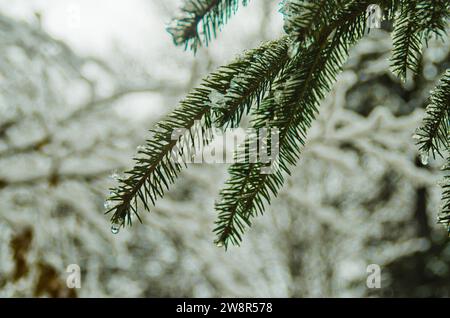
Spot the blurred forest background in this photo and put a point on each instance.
(81, 82)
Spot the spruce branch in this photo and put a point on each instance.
(417, 20)
(248, 189)
(433, 17)
(210, 14)
(433, 135)
(157, 164)
(407, 40)
(303, 18)
(251, 85)
(286, 80)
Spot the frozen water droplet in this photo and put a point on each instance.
(293, 49)
(219, 243)
(115, 228)
(278, 95)
(140, 152)
(107, 204)
(424, 158)
(217, 99)
(115, 175)
(416, 137)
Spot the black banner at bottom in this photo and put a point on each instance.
(208, 307)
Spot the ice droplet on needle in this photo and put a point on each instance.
(424, 158)
(115, 228)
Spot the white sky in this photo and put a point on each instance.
(95, 27)
(92, 26)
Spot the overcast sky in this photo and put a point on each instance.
(137, 27)
(93, 26)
